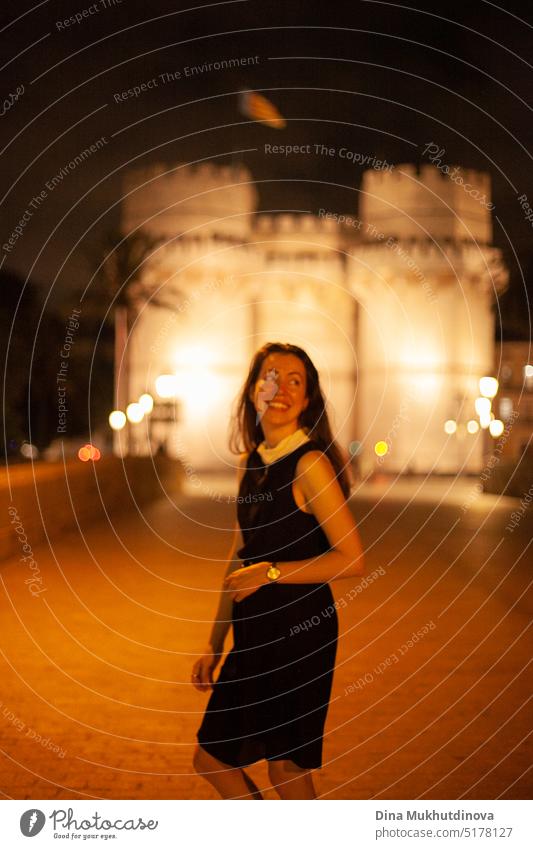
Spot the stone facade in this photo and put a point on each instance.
(394, 306)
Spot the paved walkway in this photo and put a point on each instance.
(96, 701)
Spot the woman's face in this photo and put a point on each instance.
(287, 399)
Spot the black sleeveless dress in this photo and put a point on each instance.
(272, 694)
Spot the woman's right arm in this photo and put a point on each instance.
(222, 620)
(206, 665)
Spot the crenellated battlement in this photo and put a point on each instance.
(292, 224)
(187, 178)
(426, 175)
(425, 202)
(169, 200)
(298, 234)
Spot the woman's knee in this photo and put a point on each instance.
(203, 762)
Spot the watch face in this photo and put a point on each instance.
(273, 573)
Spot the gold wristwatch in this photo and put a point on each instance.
(273, 572)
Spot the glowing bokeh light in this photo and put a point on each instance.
(117, 419)
(488, 386)
(381, 448)
(482, 406)
(450, 426)
(89, 452)
(135, 413)
(31, 452)
(146, 402)
(166, 385)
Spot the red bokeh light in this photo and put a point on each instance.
(89, 452)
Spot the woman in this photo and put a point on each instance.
(271, 697)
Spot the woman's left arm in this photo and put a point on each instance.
(325, 498)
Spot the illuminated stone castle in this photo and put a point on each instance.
(393, 304)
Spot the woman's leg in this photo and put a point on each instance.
(231, 782)
(291, 781)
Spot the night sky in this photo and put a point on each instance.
(379, 78)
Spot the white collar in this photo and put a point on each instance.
(284, 446)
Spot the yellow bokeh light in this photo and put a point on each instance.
(381, 448)
(472, 426)
(450, 426)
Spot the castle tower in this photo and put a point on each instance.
(237, 280)
(203, 200)
(426, 278)
(202, 217)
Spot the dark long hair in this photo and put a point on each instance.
(246, 434)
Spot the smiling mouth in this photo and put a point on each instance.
(278, 405)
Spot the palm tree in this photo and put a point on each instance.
(122, 272)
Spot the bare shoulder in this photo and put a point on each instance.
(314, 460)
(315, 470)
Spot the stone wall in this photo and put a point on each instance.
(44, 500)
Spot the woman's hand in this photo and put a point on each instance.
(245, 581)
(202, 671)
